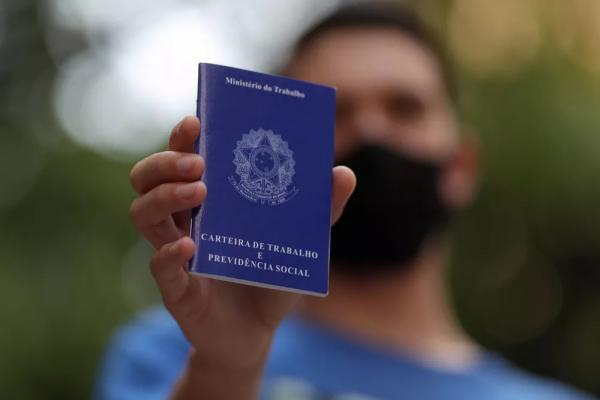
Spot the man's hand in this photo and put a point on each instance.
(230, 326)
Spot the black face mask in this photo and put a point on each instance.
(394, 208)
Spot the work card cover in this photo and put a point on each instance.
(268, 146)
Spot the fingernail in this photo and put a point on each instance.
(187, 191)
(186, 164)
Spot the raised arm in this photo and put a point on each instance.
(229, 326)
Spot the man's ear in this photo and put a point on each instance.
(459, 182)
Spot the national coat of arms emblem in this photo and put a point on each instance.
(264, 168)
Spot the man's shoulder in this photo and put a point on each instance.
(155, 321)
(308, 356)
(152, 332)
(143, 357)
(511, 379)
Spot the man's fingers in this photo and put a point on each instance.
(152, 211)
(183, 221)
(167, 166)
(184, 135)
(344, 182)
(169, 269)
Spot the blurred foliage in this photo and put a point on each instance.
(527, 261)
(526, 264)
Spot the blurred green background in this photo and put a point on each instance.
(73, 119)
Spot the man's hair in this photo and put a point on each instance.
(384, 15)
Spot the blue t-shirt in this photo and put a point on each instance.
(309, 362)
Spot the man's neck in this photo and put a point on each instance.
(408, 312)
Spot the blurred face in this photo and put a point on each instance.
(396, 129)
(390, 91)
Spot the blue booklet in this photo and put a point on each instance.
(268, 146)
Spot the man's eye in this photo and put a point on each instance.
(406, 107)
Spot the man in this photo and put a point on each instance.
(387, 330)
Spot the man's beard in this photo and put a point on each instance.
(395, 207)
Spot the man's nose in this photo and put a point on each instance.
(371, 124)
